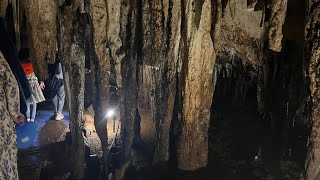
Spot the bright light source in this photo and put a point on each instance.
(110, 113)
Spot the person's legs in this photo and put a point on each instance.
(28, 111)
(60, 103)
(34, 111)
(55, 103)
(61, 98)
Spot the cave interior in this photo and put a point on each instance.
(165, 89)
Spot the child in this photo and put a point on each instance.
(37, 95)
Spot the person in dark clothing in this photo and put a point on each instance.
(54, 88)
(9, 51)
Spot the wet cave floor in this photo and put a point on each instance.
(236, 137)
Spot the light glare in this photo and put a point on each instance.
(110, 113)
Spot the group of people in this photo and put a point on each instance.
(20, 91)
(37, 96)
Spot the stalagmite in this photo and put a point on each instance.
(276, 21)
(312, 49)
(197, 59)
(42, 32)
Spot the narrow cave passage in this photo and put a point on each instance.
(259, 130)
(236, 131)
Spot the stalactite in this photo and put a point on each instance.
(217, 9)
(232, 8)
(160, 43)
(42, 39)
(251, 4)
(265, 74)
(113, 36)
(198, 55)
(260, 91)
(263, 18)
(129, 87)
(215, 78)
(276, 21)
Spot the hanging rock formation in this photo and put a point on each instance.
(42, 33)
(159, 54)
(238, 31)
(197, 57)
(165, 90)
(128, 72)
(164, 45)
(276, 21)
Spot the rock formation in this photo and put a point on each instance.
(197, 57)
(42, 32)
(72, 59)
(312, 50)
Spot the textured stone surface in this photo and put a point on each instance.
(167, 83)
(313, 55)
(276, 21)
(42, 33)
(197, 61)
(73, 61)
(100, 66)
(243, 28)
(251, 4)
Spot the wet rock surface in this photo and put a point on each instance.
(53, 131)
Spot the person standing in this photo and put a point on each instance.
(55, 82)
(9, 115)
(37, 95)
(58, 100)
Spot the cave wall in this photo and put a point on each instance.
(312, 49)
(240, 25)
